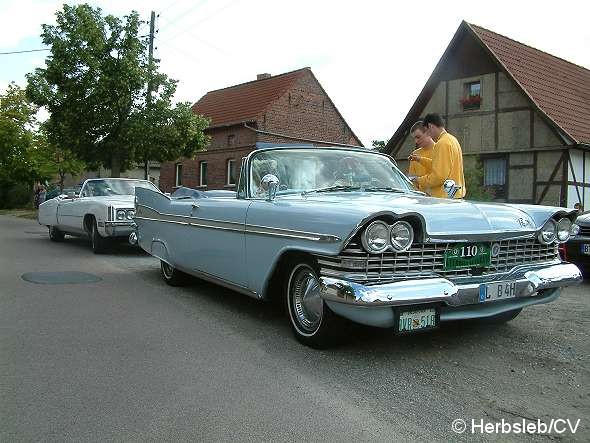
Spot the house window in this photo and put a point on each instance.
(472, 96)
(178, 175)
(494, 175)
(202, 173)
(231, 172)
(231, 140)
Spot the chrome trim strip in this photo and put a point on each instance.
(529, 281)
(266, 230)
(161, 220)
(232, 226)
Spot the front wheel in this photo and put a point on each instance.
(171, 275)
(99, 243)
(312, 322)
(55, 234)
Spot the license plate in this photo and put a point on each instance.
(409, 321)
(497, 291)
(586, 249)
(467, 255)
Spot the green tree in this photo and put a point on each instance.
(50, 160)
(162, 131)
(17, 135)
(95, 87)
(379, 145)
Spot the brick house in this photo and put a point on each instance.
(523, 113)
(290, 108)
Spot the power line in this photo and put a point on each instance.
(22, 52)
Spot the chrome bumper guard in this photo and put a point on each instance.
(529, 279)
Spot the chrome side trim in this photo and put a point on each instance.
(150, 214)
(528, 280)
(266, 230)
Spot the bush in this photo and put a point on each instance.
(474, 182)
(18, 195)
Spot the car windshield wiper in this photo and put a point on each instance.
(333, 189)
(383, 189)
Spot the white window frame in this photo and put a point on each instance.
(230, 162)
(177, 176)
(201, 164)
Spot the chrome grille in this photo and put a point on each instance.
(585, 231)
(426, 259)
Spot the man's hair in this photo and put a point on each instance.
(435, 119)
(418, 125)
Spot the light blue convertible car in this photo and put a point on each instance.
(341, 233)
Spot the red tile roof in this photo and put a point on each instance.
(559, 88)
(245, 102)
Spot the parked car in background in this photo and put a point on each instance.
(103, 210)
(577, 249)
(341, 233)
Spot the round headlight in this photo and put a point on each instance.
(401, 236)
(548, 232)
(563, 229)
(130, 214)
(121, 214)
(375, 239)
(574, 230)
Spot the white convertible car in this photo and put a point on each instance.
(104, 209)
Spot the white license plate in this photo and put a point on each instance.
(411, 321)
(586, 249)
(497, 291)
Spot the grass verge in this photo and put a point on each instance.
(22, 213)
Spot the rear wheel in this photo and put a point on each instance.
(55, 234)
(171, 275)
(99, 243)
(312, 322)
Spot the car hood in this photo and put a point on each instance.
(442, 218)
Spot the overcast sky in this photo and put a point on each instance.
(372, 57)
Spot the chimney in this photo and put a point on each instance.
(263, 76)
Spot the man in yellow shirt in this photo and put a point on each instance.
(447, 160)
(424, 143)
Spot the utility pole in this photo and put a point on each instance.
(146, 166)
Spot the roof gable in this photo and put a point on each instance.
(245, 102)
(558, 89)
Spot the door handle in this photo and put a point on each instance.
(195, 206)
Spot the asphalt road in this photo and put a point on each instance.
(130, 358)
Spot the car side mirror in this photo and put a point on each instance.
(71, 194)
(451, 187)
(270, 183)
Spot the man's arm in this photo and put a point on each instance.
(441, 167)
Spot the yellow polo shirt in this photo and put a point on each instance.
(447, 162)
(421, 167)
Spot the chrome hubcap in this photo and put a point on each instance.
(306, 302)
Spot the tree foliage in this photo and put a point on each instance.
(95, 87)
(17, 124)
(474, 183)
(379, 145)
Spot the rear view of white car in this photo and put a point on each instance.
(103, 210)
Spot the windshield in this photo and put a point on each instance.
(325, 170)
(107, 187)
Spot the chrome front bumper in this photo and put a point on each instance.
(458, 300)
(119, 228)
